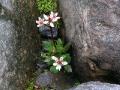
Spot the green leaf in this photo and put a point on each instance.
(53, 69)
(48, 46)
(59, 47)
(50, 61)
(58, 24)
(68, 68)
(59, 42)
(46, 6)
(67, 57)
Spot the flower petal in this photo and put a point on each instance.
(37, 21)
(51, 15)
(46, 22)
(61, 58)
(56, 14)
(51, 24)
(54, 58)
(64, 63)
(45, 16)
(38, 25)
(55, 19)
(55, 64)
(58, 67)
(39, 18)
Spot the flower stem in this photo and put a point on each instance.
(52, 37)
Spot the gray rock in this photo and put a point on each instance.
(44, 80)
(93, 28)
(96, 86)
(50, 81)
(8, 4)
(17, 46)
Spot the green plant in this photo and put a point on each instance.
(48, 20)
(46, 6)
(56, 56)
(58, 24)
(30, 85)
(54, 51)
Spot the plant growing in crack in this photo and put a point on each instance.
(56, 55)
(54, 51)
(48, 19)
(47, 23)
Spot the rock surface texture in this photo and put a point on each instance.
(17, 43)
(96, 86)
(51, 81)
(93, 27)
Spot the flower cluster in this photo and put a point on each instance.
(56, 55)
(54, 51)
(47, 19)
(59, 62)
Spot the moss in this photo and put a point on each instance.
(46, 6)
(30, 84)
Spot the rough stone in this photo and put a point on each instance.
(93, 28)
(50, 81)
(17, 43)
(96, 86)
(44, 80)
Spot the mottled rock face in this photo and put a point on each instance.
(7, 4)
(97, 86)
(6, 52)
(58, 81)
(17, 43)
(93, 26)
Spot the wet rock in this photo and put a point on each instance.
(93, 28)
(46, 32)
(97, 86)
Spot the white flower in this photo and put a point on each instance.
(52, 24)
(40, 22)
(59, 62)
(46, 17)
(53, 17)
